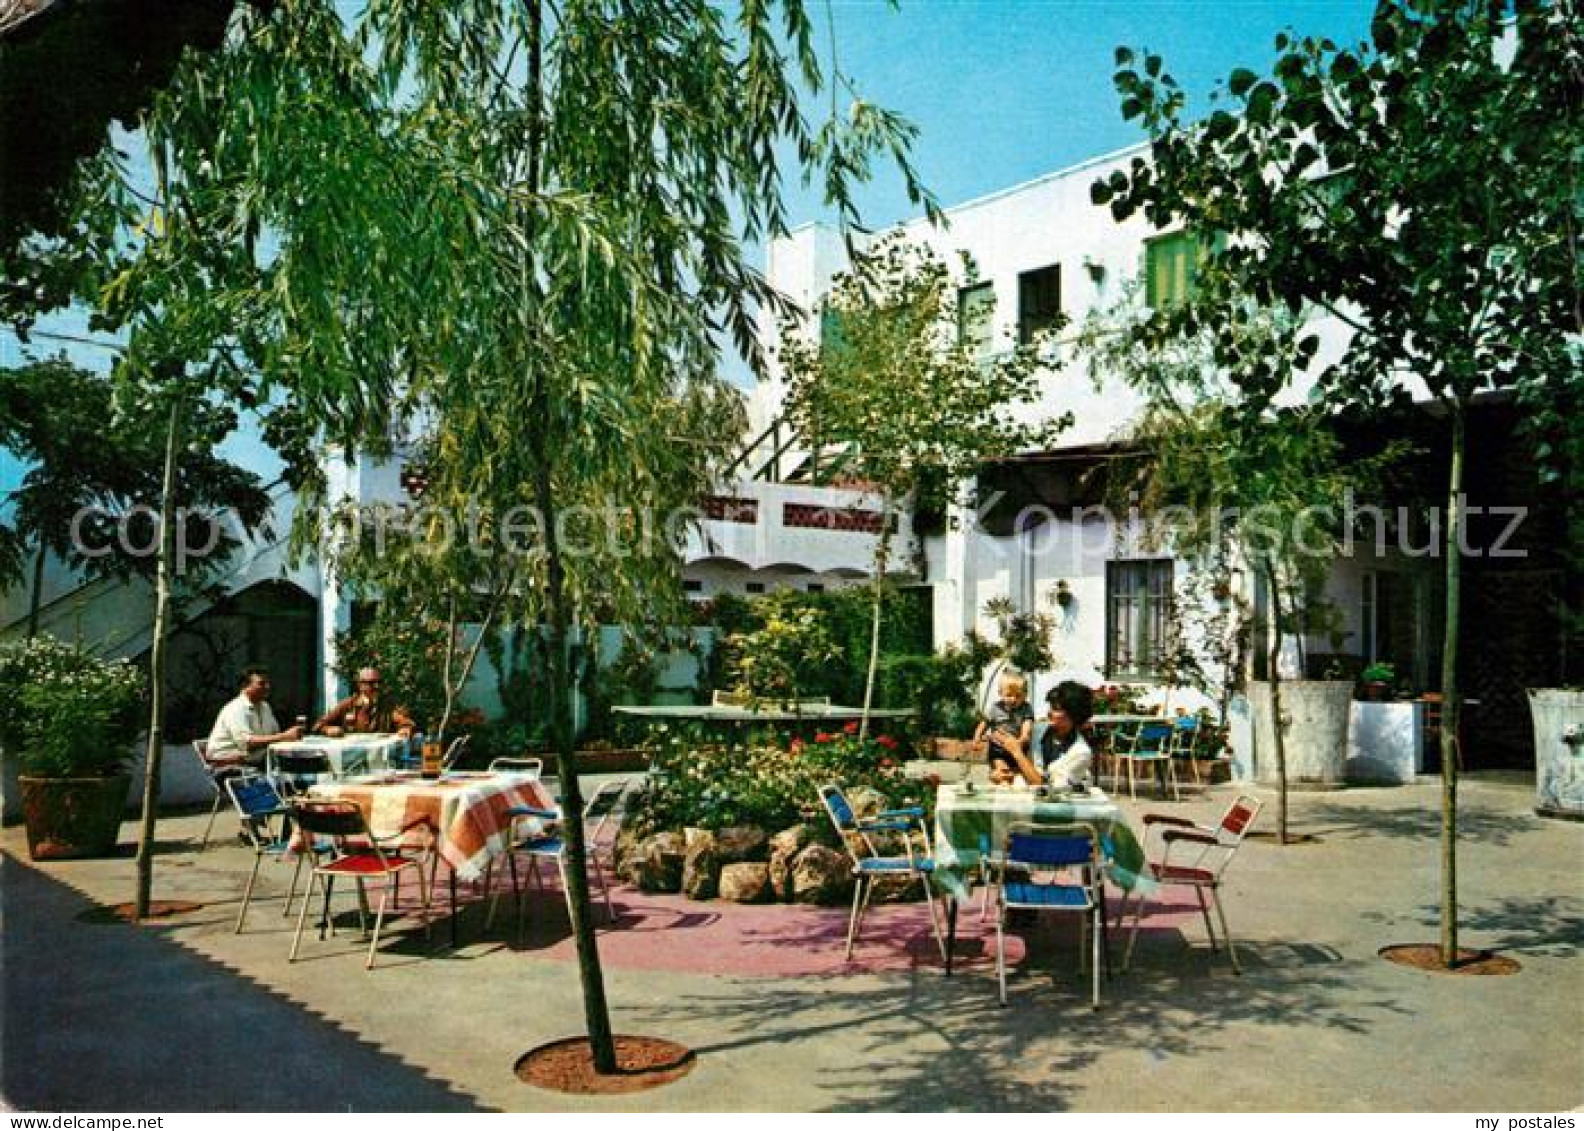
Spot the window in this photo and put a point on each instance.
(756, 587)
(1039, 301)
(692, 585)
(833, 336)
(1170, 263)
(1138, 600)
(976, 318)
(816, 587)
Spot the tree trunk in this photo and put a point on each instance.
(881, 553)
(1451, 707)
(1278, 724)
(595, 1010)
(156, 735)
(35, 597)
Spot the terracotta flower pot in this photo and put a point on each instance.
(71, 818)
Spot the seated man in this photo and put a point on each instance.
(246, 726)
(1063, 749)
(366, 712)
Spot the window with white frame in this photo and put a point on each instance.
(1138, 603)
(976, 319)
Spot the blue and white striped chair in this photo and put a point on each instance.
(869, 864)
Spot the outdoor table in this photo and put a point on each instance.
(354, 754)
(964, 820)
(466, 811)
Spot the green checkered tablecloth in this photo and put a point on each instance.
(964, 821)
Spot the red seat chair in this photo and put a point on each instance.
(356, 855)
(1195, 856)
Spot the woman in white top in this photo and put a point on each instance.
(1063, 749)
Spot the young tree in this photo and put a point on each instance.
(913, 412)
(1422, 191)
(527, 222)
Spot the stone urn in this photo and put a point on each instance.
(1317, 711)
(1558, 716)
(72, 818)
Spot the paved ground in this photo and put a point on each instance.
(100, 1016)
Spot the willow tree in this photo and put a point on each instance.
(898, 393)
(523, 225)
(1422, 191)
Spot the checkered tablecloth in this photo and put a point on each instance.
(466, 811)
(965, 821)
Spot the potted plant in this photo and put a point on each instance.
(67, 723)
(1378, 679)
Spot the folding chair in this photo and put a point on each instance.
(1053, 851)
(357, 855)
(454, 752)
(218, 771)
(1150, 746)
(257, 804)
(538, 834)
(1196, 856)
(532, 768)
(868, 864)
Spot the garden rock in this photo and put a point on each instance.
(745, 882)
(821, 875)
(742, 843)
(701, 868)
(784, 847)
(655, 863)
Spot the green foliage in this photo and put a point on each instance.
(64, 712)
(771, 785)
(1023, 638)
(93, 451)
(772, 665)
(940, 688)
(1379, 672)
(407, 650)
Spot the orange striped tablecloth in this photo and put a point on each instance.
(466, 811)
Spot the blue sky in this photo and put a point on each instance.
(1002, 90)
(1007, 90)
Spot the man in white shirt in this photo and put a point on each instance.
(246, 726)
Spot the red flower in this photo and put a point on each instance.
(886, 763)
(851, 728)
(887, 741)
(797, 746)
(823, 737)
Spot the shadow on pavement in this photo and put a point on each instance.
(120, 1018)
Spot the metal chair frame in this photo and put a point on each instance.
(1053, 850)
(528, 767)
(257, 802)
(869, 864)
(1202, 853)
(358, 855)
(542, 838)
(218, 771)
(454, 752)
(1150, 743)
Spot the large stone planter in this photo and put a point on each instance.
(70, 818)
(1559, 751)
(1317, 734)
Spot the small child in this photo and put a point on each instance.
(1008, 729)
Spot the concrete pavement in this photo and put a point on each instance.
(185, 1015)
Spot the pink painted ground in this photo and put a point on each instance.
(671, 933)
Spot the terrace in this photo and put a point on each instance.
(103, 1016)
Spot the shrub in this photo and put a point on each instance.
(772, 785)
(66, 713)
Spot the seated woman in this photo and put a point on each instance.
(1063, 749)
(1006, 734)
